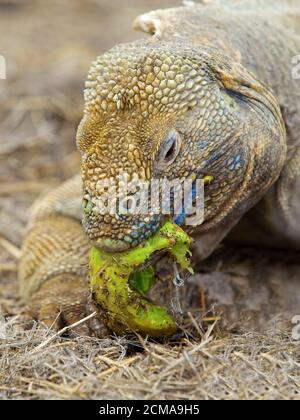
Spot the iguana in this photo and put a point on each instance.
(212, 92)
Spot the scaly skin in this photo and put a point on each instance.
(209, 94)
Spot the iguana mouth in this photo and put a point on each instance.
(111, 245)
(120, 282)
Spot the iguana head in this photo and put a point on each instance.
(158, 110)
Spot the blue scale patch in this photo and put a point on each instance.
(179, 219)
(235, 163)
(202, 145)
(139, 226)
(135, 235)
(143, 230)
(215, 156)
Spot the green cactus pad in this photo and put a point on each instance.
(120, 288)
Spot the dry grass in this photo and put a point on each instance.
(249, 366)
(249, 353)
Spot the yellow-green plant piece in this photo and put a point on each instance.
(120, 288)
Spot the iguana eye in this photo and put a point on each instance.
(169, 149)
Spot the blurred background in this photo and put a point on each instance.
(48, 47)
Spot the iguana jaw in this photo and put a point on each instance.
(111, 245)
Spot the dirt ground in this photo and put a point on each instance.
(236, 339)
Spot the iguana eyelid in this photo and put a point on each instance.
(169, 149)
